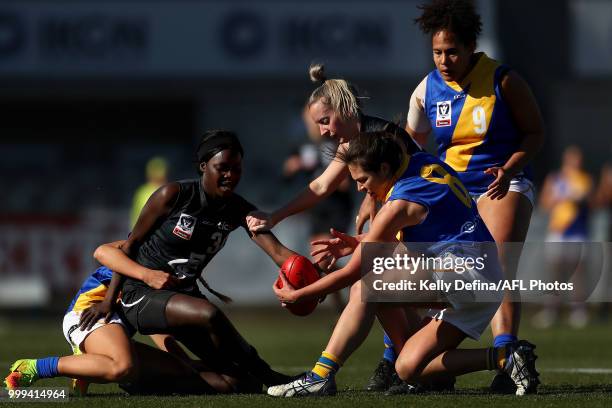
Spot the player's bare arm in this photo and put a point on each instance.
(272, 246)
(530, 125)
(317, 190)
(393, 217)
(157, 207)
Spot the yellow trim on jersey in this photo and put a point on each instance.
(86, 299)
(398, 174)
(435, 173)
(399, 234)
(475, 117)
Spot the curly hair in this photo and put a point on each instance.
(457, 16)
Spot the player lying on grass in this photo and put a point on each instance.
(424, 200)
(104, 353)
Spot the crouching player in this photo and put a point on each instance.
(425, 200)
(104, 353)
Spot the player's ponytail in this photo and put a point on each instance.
(337, 93)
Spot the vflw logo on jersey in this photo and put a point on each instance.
(443, 114)
(185, 226)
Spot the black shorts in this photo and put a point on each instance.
(144, 308)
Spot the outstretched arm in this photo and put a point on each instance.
(272, 246)
(394, 216)
(316, 191)
(332, 249)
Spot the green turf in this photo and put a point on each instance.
(292, 344)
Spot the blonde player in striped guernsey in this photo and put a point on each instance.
(487, 127)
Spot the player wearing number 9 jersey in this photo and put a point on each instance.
(488, 128)
(472, 125)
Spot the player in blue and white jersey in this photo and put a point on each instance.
(487, 126)
(104, 353)
(425, 200)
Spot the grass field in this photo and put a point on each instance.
(575, 365)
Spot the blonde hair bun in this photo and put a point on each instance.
(317, 73)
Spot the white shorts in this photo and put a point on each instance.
(472, 319)
(518, 184)
(75, 336)
(472, 310)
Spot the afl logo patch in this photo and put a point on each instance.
(185, 226)
(443, 114)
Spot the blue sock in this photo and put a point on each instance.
(47, 367)
(504, 340)
(389, 353)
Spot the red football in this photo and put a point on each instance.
(300, 272)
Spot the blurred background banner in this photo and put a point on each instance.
(91, 90)
(212, 38)
(592, 26)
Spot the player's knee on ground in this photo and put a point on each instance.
(408, 368)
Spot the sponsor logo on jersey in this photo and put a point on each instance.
(468, 227)
(220, 225)
(185, 226)
(443, 113)
(224, 226)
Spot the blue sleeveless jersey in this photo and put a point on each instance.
(92, 291)
(452, 214)
(472, 124)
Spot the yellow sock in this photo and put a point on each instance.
(327, 365)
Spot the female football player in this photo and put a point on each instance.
(488, 128)
(103, 352)
(182, 226)
(180, 229)
(335, 106)
(426, 201)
